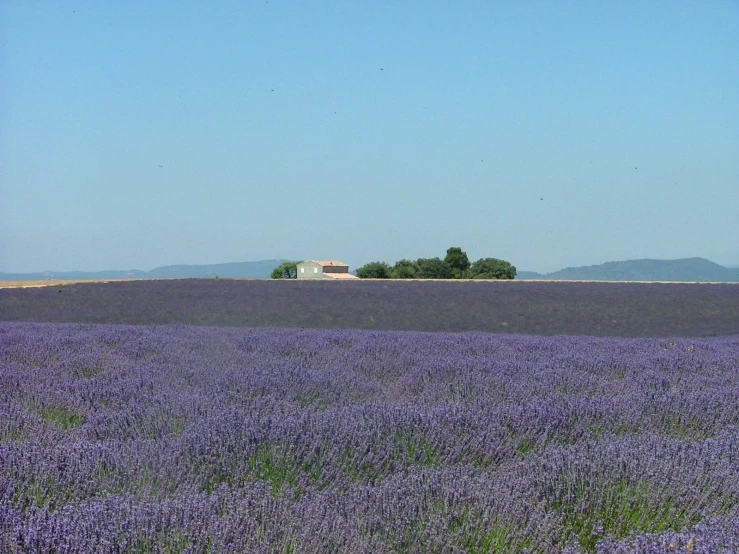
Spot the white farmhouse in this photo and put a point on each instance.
(323, 269)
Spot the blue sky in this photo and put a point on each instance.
(549, 134)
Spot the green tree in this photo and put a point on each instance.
(433, 268)
(374, 270)
(457, 261)
(286, 270)
(404, 269)
(492, 268)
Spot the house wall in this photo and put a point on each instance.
(310, 270)
(336, 269)
(313, 270)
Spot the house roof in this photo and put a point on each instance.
(340, 276)
(331, 263)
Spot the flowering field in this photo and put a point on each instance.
(183, 439)
(539, 307)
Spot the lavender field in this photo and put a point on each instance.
(538, 307)
(185, 439)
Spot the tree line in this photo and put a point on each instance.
(455, 265)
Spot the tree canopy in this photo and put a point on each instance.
(492, 268)
(455, 265)
(374, 270)
(286, 270)
(457, 261)
(433, 268)
(404, 269)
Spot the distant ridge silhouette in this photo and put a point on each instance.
(684, 269)
(255, 270)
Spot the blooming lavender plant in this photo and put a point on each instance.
(177, 439)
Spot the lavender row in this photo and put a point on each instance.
(542, 308)
(186, 439)
(575, 496)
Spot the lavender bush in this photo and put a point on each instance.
(181, 439)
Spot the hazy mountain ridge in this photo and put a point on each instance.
(684, 269)
(256, 270)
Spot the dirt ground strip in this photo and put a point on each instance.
(53, 283)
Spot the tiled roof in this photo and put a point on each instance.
(332, 263)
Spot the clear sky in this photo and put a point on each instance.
(549, 134)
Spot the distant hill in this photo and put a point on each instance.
(686, 269)
(259, 270)
(530, 275)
